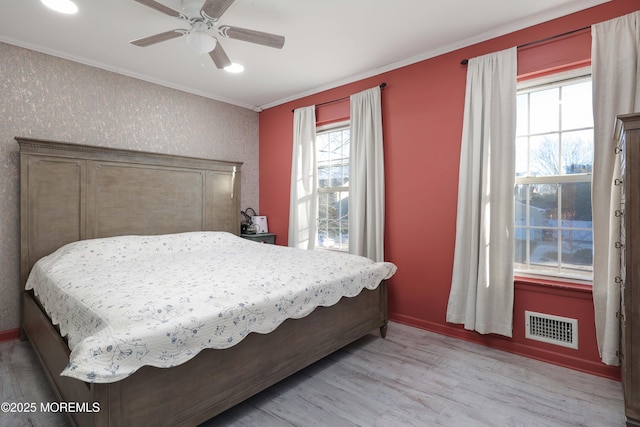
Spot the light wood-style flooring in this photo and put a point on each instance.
(411, 378)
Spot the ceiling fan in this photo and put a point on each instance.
(202, 20)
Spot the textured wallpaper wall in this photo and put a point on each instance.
(46, 97)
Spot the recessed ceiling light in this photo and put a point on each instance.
(62, 6)
(234, 68)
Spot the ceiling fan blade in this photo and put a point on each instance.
(168, 35)
(213, 9)
(252, 36)
(219, 56)
(161, 8)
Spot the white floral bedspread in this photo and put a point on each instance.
(125, 302)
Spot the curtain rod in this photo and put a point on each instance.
(382, 86)
(466, 61)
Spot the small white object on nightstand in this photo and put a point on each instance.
(261, 224)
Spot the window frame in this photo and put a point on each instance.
(527, 86)
(327, 128)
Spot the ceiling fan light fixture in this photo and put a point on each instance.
(234, 68)
(201, 42)
(63, 6)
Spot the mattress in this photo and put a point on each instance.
(129, 301)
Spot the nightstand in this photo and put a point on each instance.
(269, 238)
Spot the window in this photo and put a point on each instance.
(333, 186)
(554, 158)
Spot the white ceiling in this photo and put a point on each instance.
(328, 42)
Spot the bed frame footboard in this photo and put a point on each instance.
(214, 380)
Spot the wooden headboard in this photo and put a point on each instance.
(71, 192)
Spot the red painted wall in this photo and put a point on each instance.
(422, 119)
(9, 335)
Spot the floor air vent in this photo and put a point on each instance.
(551, 329)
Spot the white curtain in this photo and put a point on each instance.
(481, 294)
(615, 74)
(366, 176)
(304, 180)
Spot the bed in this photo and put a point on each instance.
(75, 194)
